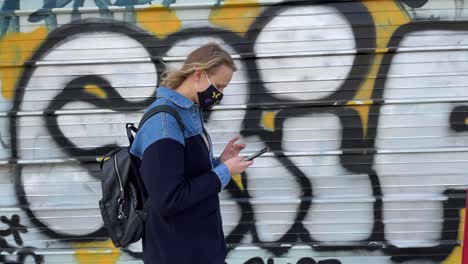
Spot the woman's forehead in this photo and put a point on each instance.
(222, 75)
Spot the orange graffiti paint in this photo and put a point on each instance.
(95, 90)
(236, 15)
(96, 252)
(159, 20)
(16, 48)
(464, 244)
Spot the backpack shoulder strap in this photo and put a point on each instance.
(162, 108)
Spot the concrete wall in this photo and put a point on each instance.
(365, 105)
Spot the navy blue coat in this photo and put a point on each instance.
(183, 181)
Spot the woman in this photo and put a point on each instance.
(178, 169)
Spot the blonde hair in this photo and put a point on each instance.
(206, 57)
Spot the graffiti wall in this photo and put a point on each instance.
(364, 106)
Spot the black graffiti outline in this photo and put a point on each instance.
(304, 260)
(54, 38)
(72, 92)
(365, 46)
(458, 117)
(440, 252)
(373, 115)
(14, 229)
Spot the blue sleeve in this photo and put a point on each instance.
(162, 171)
(222, 171)
(223, 174)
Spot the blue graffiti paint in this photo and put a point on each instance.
(8, 17)
(45, 12)
(51, 20)
(168, 2)
(414, 3)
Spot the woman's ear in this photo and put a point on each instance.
(197, 75)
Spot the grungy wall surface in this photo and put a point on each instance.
(363, 104)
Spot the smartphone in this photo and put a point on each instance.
(256, 154)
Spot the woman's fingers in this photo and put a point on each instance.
(233, 141)
(241, 146)
(246, 162)
(234, 148)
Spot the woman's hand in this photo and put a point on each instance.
(237, 164)
(231, 150)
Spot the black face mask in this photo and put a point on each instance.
(210, 96)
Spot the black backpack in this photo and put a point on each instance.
(124, 204)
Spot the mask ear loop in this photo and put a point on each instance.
(196, 86)
(206, 75)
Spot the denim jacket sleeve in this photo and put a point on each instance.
(222, 171)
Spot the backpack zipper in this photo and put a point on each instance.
(121, 200)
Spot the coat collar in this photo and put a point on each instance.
(174, 97)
